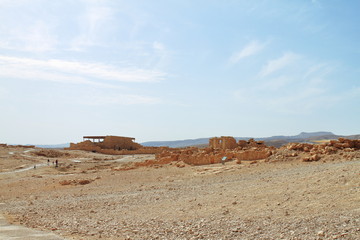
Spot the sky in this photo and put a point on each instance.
(177, 69)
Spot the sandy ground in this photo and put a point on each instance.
(93, 196)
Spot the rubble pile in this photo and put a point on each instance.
(308, 152)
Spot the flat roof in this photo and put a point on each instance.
(102, 137)
(94, 137)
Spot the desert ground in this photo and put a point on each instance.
(96, 196)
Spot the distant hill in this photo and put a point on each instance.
(64, 145)
(314, 134)
(177, 143)
(354, 136)
(276, 141)
(303, 135)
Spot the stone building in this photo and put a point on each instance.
(222, 142)
(96, 143)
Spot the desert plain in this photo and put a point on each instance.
(97, 196)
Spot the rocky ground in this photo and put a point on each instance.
(93, 196)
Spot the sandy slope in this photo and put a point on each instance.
(280, 200)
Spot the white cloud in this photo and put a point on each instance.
(160, 56)
(277, 82)
(32, 37)
(41, 26)
(277, 64)
(301, 86)
(73, 71)
(118, 99)
(92, 25)
(297, 101)
(158, 46)
(250, 49)
(10, 3)
(27, 26)
(319, 70)
(39, 38)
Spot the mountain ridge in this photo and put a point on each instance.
(276, 141)
(271, 141)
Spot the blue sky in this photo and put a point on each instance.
(177, 69)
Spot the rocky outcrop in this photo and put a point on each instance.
(315, 152)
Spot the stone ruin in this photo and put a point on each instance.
(219, 147)
(95, 143)
(253, 151)
(113, 145)
(222, 143)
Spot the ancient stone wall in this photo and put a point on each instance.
(222, 143)
(86, 146)
(118, 143)
(230, 143)
(255, 154)
(195, 156)
(144, 150)
(96, 147)
(252, 143)
(214, 142)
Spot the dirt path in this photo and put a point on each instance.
(9, 232)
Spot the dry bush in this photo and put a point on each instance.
(76, 182)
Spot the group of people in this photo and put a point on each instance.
(56, 163)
